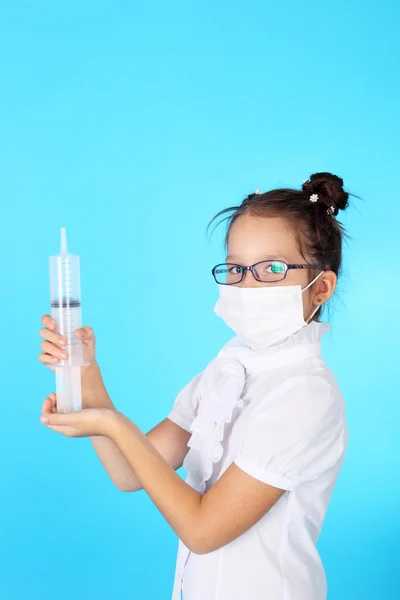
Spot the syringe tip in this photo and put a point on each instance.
(63, 244)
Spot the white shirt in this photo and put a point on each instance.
(279, 414)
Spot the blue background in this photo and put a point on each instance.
(132, 126)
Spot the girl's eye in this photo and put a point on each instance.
(236, 270)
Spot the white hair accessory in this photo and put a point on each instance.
(305, 181)
(313, 197)
(331, 210)
(257, 192)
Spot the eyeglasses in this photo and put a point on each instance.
(268, 271)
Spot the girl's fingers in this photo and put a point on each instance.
(46, 406)
(54, 347)
(53, 337)
(53, 351)
(48, 322)
(48, 360)
(86, 334)
(53, 402)
(51, 367)
(49, 404)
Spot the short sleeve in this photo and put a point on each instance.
(295, 433)
(184, 409)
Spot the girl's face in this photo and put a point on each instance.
(253, 239)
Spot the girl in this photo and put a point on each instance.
(262, 430)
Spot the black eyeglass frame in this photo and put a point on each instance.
(288, 267)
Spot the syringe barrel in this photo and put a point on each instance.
(65, 301)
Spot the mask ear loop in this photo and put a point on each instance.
(304, 289)
(312, 314)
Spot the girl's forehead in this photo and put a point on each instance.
(271, 237)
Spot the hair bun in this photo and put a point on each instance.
(329, 188)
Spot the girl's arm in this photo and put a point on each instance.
(169, 439)
(203, 522)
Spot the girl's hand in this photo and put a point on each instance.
(54, 344)
(83, 423)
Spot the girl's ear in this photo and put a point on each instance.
(326, 287)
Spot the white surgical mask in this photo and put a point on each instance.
(262, 316)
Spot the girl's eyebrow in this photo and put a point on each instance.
(268, 257)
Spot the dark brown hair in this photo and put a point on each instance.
(318, 232)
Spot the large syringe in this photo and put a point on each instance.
(65, 299)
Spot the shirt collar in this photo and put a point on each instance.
(303, 343)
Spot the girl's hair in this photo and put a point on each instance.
(318, 233)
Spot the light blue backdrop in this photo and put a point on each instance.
(132, 125)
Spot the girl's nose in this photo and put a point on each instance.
(249, 280)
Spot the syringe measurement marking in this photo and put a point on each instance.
(67, 324)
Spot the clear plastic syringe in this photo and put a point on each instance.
(65, 300)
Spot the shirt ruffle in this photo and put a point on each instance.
(220, 390)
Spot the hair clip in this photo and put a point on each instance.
(257, 192)
(313, 197)
(331, 210)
